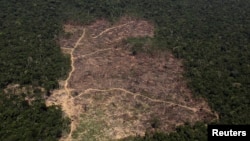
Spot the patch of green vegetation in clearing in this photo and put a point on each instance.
(92, 127)
(102, 116)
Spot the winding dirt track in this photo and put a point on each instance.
(108, 29)
(66, 108)
(67, 101)
(72, 62)
(138, 94)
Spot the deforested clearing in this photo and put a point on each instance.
(114, 91)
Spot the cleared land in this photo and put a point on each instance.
(111, 93)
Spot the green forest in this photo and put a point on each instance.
(212, 36)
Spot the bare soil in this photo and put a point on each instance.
(112, 94)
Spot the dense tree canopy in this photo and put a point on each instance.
(212, 36)
(21, 120)
(29, 55)
(28, 52)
